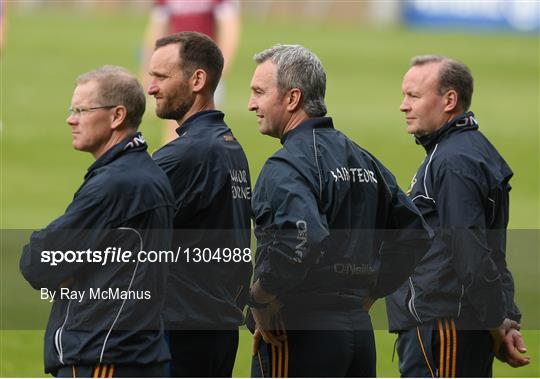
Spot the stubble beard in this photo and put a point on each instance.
(176, 113)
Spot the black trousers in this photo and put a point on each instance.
(202, 353)
(112, 371)
(439, 349)
(318, 353)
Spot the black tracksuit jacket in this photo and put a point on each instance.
(462, 190)
(209, 174)
(331, 223)
(124, 202)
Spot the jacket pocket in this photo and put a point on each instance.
(57, 343)
(411, 302)
(58, 337)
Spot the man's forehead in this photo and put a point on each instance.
(265, 74)
(85, 91)
(423, 75)
(165, 57)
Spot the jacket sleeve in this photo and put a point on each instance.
(79, 229)
(290, 229)
(498, 208)
(461, 202)
(405, 238)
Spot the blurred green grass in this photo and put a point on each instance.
(47, 48)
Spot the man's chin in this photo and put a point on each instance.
(165, 115)
(411, 129)
(268, 132)
(264, 131)
(78, 146)
(168, 114)
(161, 113)
(75, 144)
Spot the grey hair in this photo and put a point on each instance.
(453, 75)
(117, 86)
(297, 67)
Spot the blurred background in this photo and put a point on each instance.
(365, 47)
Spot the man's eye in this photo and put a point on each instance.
(158, 77)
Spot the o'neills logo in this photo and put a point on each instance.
(467, 121)
(136, 141)
(301, 237)
(352, 269)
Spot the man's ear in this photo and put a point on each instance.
(293, 98)
(118, 116)
(198, 80)
(450, 101)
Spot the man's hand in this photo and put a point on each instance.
(508, 344)
(512, 348)
(268, 325)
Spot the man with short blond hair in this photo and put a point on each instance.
(113, 328)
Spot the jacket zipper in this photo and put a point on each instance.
(412, 308)
(58, 337)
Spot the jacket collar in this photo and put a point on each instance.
(465, 121)
(307, 125)
(134, 142)
(204, 118)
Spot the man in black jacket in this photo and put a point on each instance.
(334, 231)
(462, 289)
(106, 317)
(209, 174)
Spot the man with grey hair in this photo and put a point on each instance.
(106, 317)
(334, 231)
(457, 309)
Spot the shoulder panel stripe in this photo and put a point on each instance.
(426, 171)
(318, 167)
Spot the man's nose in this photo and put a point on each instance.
(153, 89)
(404, 106)
(251, 104)
(71, 119)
